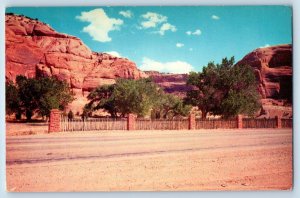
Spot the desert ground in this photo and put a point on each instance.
(259, 159)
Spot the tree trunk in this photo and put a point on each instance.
(28, 115)
(204, 114)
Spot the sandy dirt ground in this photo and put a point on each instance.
(151, 161)
(15, 129)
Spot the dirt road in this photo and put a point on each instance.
(151, 160)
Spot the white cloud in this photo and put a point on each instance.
(176, 67)
(100, 24)
(215, 17)
(114, 53)
(126, 13)
(196, 32)
(166, 27)
(152, 19)
(179, 45)
(266, 45)
(190, 49)
(157, 21)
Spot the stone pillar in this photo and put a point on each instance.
(131, 122)
(278, 122)
(239, 121)
(54, 121)
(192, 121)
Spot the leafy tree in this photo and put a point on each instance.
(224, 89)
(29, 94)
(169, 106)
(38, 95)
(135, 96)
(54, 94)
(12, 100)
(102, 98)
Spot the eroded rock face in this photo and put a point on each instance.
(34, 49)
(171, 83)
(273, 69)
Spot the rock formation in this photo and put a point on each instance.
(273, 70)
(171, 83)
(34, 49)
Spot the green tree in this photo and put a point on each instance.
(54, 94)
(39, 95)
(12, 100)
(169, 106)
(29, 94)
(135, 96)
(224, 89)
(102, 98)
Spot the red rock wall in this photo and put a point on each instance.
(171, 83)
(273, 69)
(35, 49)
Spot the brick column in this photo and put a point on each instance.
(278, 122)
(239, 120)
(131, 122)
(54, 122)
(192, 121)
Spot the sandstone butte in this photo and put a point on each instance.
(35, 49)
(273, 70)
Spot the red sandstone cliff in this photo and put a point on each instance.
(273, 70)
(34, 49)
(171, 83)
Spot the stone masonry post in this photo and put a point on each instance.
(239, 121)
(278, 122)
(192, 121)
(131, 122)
(54, 122)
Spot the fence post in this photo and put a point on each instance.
(54, 121)
(131, 122)
(278, 122)
(192, 121)
(239, 121)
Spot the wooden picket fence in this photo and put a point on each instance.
(93, 124)
(259, 123)
(287, 123)
(216, 124)
(161, 124)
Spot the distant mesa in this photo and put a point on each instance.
(35, 49)
(171, 83)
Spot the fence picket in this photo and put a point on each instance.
(92, 124)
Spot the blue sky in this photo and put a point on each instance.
(171, 39)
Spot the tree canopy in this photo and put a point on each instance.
(30, 95)
(224, 89)
(140, 97)
(169, 106)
